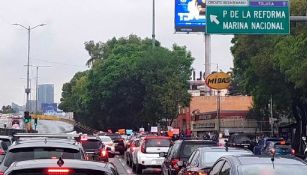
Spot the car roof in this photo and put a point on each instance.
(5, 137)
(52, 163)
(43, 143)
(252, 159)
(223, 149)
(156, 137)
(93, 138)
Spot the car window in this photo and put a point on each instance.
(195, 160)
(7, 141)
(191, 157)
(188, 148)
(105, 139)
(91, 144)
(216, 168)
(157, 142)
(209, 158)
(226, 169)
(4, 146)
(22, 154)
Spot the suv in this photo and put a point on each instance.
(260, 147)
(241, 140)
(41, 149)
(181, 151)
(95, 149)
(147, 156)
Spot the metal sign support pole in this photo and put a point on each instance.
(218, 111)
(207, 61)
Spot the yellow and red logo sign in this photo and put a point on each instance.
(219, 80)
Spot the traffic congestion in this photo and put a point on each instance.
(145, 153)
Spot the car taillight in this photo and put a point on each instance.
(174, 164)
(58, 171)
(1, 173)
(293, 151)
(2, 152)
(133, 148)
(103, 153)
(273, 151)
(143, 150)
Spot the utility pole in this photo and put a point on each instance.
(153, 24)
(28, 89)
(272, 119)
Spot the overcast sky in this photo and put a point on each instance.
(72, 22)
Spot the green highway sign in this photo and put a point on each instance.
(248, 19)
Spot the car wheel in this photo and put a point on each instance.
(139, 168)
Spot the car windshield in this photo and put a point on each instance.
(158, 143)
(91, 144)
(105, 139)
(209, 158)
(241, 139)
(270, 169)
(22, 154)
(189, 148)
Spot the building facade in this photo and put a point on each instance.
(46, 93)
(201, 116)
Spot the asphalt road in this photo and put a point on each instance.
(124, 169)
(53, 127)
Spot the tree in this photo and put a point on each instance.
(132, 85)
(7, 109)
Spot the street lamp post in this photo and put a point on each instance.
(28, 89)
(153, 24)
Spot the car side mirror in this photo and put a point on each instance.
(180, 163)
(304, 138)
(162, 154)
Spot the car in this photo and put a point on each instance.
(48, 148)
(148, 155)
(95, 149)
(278, 148)
(258, 165)
(119, 143)
(259, 148)
(202, 159)
(61, 167)
(6, 139)
(108, 142)
(133, 146)
(181, 150)
(241, 140)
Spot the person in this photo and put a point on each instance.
(27, 121)
(201, 5)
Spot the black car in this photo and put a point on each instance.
(6, 139)
(42, 149)
(203, 158)
(95, 149)
(262, 143)
(241, 140)
(254, 165)
(119, 143)
(181, 150)
(61, 167)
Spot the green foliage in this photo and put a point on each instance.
(130, 84)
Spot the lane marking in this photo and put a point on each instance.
(125, 166)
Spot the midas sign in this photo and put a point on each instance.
(218, 80)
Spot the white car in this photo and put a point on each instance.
(147, 155)
(107, 141)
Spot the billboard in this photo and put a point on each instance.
(49, 107)
(190, 15)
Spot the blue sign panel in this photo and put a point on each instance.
(190, 15)
(261, 3)
(49, 107)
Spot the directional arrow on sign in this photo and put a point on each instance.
(213, 18)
